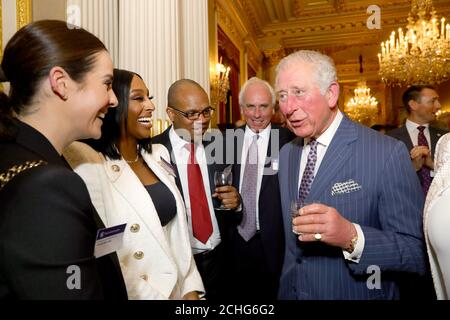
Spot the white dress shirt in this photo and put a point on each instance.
(323, 142)
(181, 154)
(414, 132)
(263, 143)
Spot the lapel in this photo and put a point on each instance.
(336, 156)
(164, 139)
(128, 185)
(434, 137)
(406, 138)
(295, 156)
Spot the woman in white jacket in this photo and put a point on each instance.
(437, 220)
(130, 181)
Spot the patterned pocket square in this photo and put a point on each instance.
(345, 187)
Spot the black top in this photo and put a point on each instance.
(164, 202)
(48, 225)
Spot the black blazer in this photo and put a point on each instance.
(48, 223)
(270, 215)
(224, 220)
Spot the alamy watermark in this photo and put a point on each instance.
(73, 281)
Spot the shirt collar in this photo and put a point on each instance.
(326, 137)
(411, 125)
(249, 133)
(177, 142)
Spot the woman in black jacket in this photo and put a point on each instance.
(60, 90)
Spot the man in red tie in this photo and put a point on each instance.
(190, 113)
(421, 103)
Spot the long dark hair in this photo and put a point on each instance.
(34, 50)
(111, 128)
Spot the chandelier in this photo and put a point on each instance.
(421, 55)
(362, 107)
(220, 84)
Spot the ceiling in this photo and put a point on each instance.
(335, 27)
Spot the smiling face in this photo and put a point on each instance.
(308, 112)
(190, 98)
(91, 99)
(257, 107)
(140, 109)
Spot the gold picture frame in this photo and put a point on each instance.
(24, 12)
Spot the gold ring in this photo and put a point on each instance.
(318, 236)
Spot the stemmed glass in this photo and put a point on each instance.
(223, 178)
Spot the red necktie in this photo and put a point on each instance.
(201, 218)
(424, 172)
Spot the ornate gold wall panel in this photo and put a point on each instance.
(24, 13)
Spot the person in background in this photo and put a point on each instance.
(421, 103)
(190, 113)
(359, 200)
(130, 182)
(257, 244)
(60, 90)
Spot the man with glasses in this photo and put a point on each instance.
(422, 104)
(190, 113)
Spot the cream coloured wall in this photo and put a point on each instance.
(49, 9)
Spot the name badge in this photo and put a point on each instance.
(275, 164)
(109, 240)
(168, 167)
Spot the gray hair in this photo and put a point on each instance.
(324, 68)
(254, 80)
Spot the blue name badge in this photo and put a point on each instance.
(109, 240)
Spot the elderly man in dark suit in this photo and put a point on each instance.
(257, 244)
(194, 165)
(360, 219)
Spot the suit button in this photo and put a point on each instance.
(144, 277)
(138, 255)
(115, 168)
(135, 228)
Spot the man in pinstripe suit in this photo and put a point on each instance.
(361, 223)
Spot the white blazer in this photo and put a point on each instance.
(157, 262)
(437, 195)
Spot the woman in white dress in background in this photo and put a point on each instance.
(437, 220)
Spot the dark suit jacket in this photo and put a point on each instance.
(383, 196)
(219, 163)
(48, 223)
(403, 135)
(269, 202)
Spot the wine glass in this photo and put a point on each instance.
(223, 178)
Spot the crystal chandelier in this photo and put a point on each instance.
(421, 55)
(362, 107)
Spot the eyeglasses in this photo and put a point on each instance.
(207, 112)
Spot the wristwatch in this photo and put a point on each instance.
(352, 244)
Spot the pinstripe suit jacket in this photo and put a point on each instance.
(388, 208)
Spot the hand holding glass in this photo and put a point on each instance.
(223, 178)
